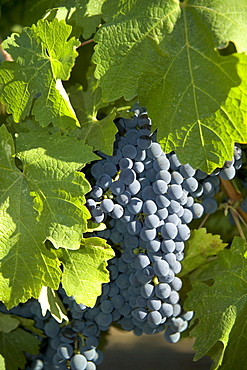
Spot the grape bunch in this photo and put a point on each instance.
(146, 198)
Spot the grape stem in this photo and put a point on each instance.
(236, 220)
(235, 197)
(204, 220)
(85, 43)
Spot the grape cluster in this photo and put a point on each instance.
(74, 345)
(209, 185)
(146, 198)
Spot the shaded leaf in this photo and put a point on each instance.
(98, 133)
(14, 344)
(222, 309)
(8, 323)
(83, 15)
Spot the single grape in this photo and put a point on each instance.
(135, 205)
(129, 151)
(160, 187)
(125, 163)
(117, 187)
(127, 176)
(78, 362)
(210, 205)
(107, 205)
(169, 230)
(152, 221)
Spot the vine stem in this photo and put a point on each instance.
(203, 221)
(85, 43)
(236, 220)
(233, 196)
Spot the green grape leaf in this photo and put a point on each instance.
(14, 344)
(49, 301)
(86, 104)
(43, 56)
(43, 201)
(2, 363)
(8, 323)
(83, 15)
(85, 270)
(193, 95)
(221, 309)
(29, 324)
(58, 196)
(199, 248)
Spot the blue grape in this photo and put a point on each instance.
(141, 261)
(127, 176)
(96, 192)
(117, 187)
(153, 304)
(162, 201)
(65, 350)
(154, 318)
(134, 227)
(129, 151)
(132, 136)
(51, 328)
(117, 211)
(104, 181)
(161, 268)
(176, 178)
(197, 210)
(149, 207)
(228, 173)
(124, 198)
(144, 142)
(190, 184)
(153, 245)
(138, 167)
(152, 221)
(140, 314)
(107, 205)
(78, 362)
(107, 306)
(169, 230)
(147, 290)
(147, 234)
(160, 187)
(210, 205)
(104, 319)
(135, 205)
(155, 150)
(171, 337)
(183, 232)
(164, 175)
(175, 191)
(186, 170)
(125, 163)
(161, 163)
(97, 169)
(174, 162)
(109, 168)
(163, 290)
